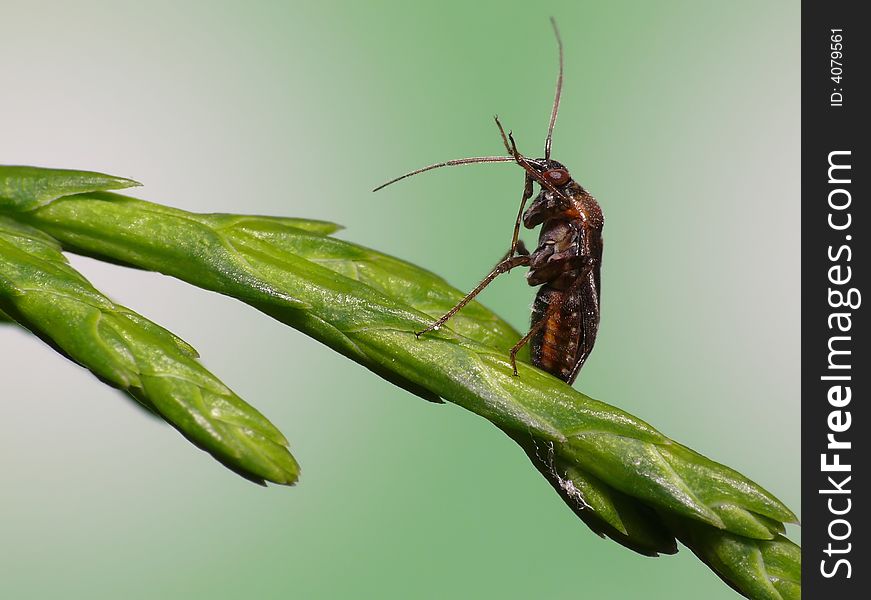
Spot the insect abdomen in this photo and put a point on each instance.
(555, 345)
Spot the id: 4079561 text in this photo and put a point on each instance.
(836, 67)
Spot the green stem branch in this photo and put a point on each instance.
(624, 478)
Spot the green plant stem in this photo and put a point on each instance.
(47, 296)
(620, 475)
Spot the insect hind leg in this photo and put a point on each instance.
(503, 266)
(512, 354)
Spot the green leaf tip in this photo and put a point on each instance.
(757, 569)
(26, 188)
(44, 294)
(267, 226)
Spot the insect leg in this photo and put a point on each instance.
(527, 194)
(521, 160)
(527, 188)
(503, 267)
(525, 340)
(504, 137)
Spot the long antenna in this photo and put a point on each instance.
(450, 163)
(559, 91)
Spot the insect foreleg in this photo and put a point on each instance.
(527, 194)
(527, 189)
(503, 267)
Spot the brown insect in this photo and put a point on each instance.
(566, 263)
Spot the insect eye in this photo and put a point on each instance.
(557, 176)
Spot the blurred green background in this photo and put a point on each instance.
(681, 117)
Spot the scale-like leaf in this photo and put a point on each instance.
(26, 188)
(620, 475)
(43, 293)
